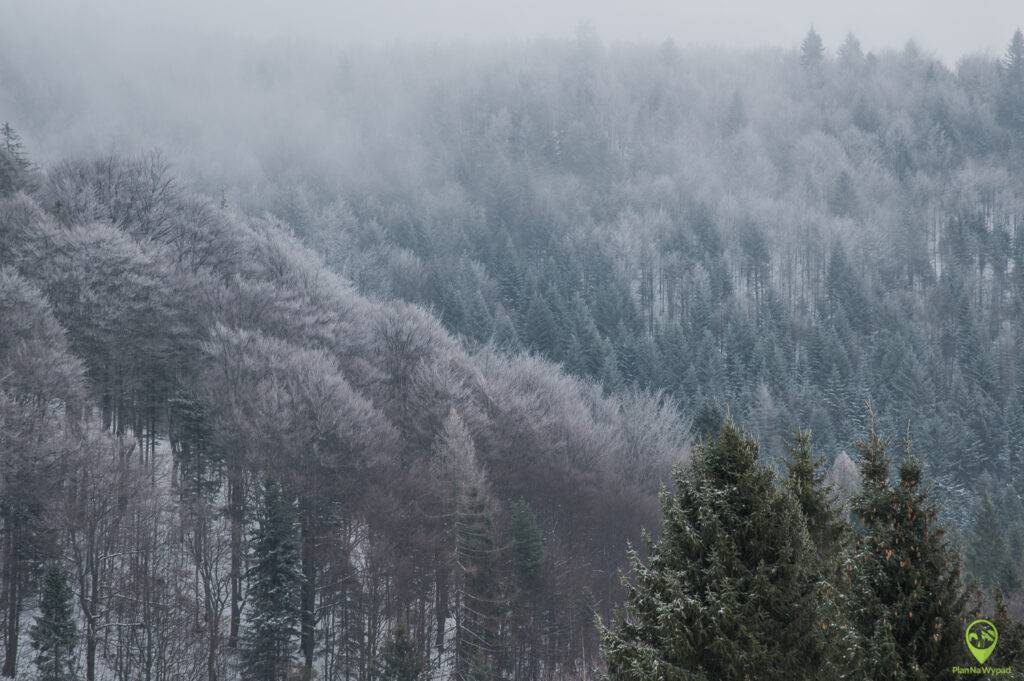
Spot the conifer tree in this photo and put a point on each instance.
(10, 141)
(812, 51)
(54, 633)
(401, 660)
(806, 481)
(1011, 96)
(1010, 651)
(472, 540)
(729, 590)
(527, 544)
(851, 56)
(909, 598)
(274, 583)
(987, 552)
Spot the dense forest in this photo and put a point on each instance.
(385, 385)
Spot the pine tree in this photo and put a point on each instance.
(1010, 652)
(401, 661)
(1011, 96)
(540, 328)
(729, 590)
(987, 552)
(909, 596)
(472, 540)
(806, 481)
(812, 52)
(274, 585)
(10, 141)
(851, 56)
(527, 544)
(54, 633)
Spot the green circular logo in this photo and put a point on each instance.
(981, 637)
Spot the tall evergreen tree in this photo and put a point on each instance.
(806, 481)
(909, 596)
(729, 590)
(401, 661)
(851, 56)
(275, 579)
(10, 141)
(812, 51)
(1011, 95)
(54, 633)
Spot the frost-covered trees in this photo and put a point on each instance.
(1011, 94)
(723, 595)
(909, 597)
(275, 586)
(54, 633)
(163, 357)
(215, 350)
(730, 588)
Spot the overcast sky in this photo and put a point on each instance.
(946, 28)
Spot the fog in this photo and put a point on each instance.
(942, 26)
(355, 342)
(218, 88)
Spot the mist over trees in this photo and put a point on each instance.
(371, 364)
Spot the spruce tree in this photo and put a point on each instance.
(729, 590)
(527, 544)
(806, 481)
(909, 596)
(10, 141)
(54, 633)
(401, 661)
(1011, 96)
(812, 51)
(1010, 650)
(851, 56)
(987, 551)
(274, 584)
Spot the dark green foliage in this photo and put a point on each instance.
(401, 661)
(909, 597)
(274, 585)
(729, 589)
(806, 481)
(54, 634)
(1010, 650)
(991, 558)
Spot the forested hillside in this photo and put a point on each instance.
(207, 424)
(468, 306)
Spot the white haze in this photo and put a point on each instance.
(233, 91)
(946, 27)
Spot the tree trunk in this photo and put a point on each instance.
(90, 651)
(13, 612)
(308, 614)
(235, 511)
(441, 606)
